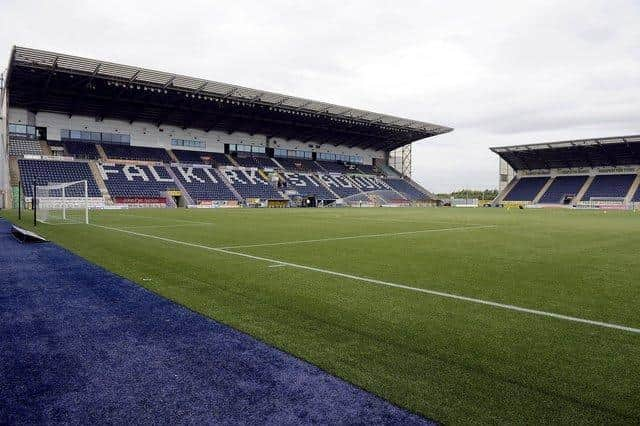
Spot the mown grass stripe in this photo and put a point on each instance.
(388, 284)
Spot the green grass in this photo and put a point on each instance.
(449, 360)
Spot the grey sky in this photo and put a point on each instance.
(499, 72)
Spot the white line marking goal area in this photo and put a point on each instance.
(386, 283)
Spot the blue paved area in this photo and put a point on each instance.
(79, 344)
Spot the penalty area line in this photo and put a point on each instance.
(388, 284)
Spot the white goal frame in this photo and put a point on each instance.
(54, 197)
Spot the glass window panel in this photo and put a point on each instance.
(64, 134)
(75, 134)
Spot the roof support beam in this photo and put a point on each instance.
(169, 82)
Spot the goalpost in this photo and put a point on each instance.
(66, 202)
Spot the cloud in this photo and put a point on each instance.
(499, 72)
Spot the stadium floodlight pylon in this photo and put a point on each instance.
(66, 202)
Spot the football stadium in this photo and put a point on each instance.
(191, 251)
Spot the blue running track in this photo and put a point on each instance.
(79, 344)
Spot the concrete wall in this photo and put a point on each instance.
(505, 174)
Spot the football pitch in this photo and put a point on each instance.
(460, 315)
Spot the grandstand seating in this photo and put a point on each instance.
(45, 171)
(609, 186)
(385, 196)
(368, 169)
(195, 157)
(406, 189)
(299, 165)
(526, 189)
(137, 153)
(369, 183)
(561, 187)
(339, 184)
(333, 167)
(307, 186)
(145, 183)
(79, 149)
(19, 147)
(636, 196)
(221, 159)
(192, 157)
(390, 196)
(136, 181)
(256, 161)
(250, 184)
(203, 184)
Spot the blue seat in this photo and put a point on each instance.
(406, 189)
(526, 189)
(203, 184)
(44, 172)
(299, 165)
(334, 167)
(340, 184)
(250, 184)
(136, 181)
(81, 149)
(137, 153)
(259, 162)
(609, 186)
(562, 187)
(307, 186)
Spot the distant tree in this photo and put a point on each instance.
(487, 194)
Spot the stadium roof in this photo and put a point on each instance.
(47, 81)
(597, 152)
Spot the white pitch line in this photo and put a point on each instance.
(163, 226)
(390, 284)
(277, 265)
(165, 218)
(353, 237)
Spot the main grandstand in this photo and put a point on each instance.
(148, 138)
(586, 173)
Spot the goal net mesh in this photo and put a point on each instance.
(374, 198)
(62, 202)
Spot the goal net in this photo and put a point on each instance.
(62, 202)
(375, 198)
